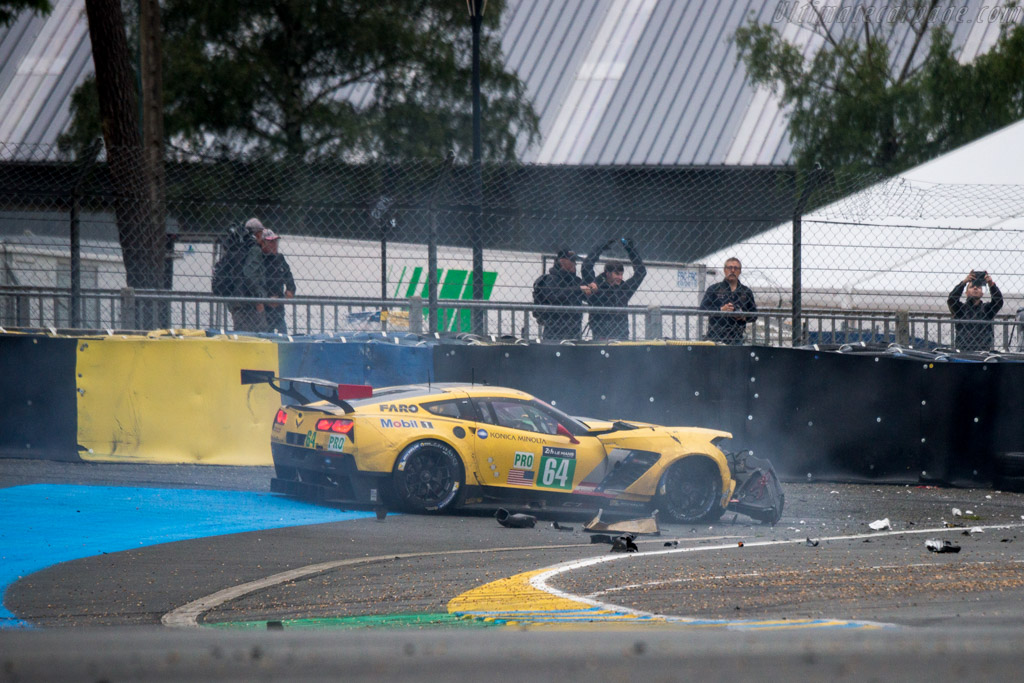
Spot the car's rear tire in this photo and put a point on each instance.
(691, 491)
(428, 477)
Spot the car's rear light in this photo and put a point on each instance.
(338, 426)
(281, 417)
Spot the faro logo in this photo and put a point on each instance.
(399, 408)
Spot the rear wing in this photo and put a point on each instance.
(336, 394)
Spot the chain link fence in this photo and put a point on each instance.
(438, 246)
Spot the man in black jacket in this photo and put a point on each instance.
(561, 286)
(729, 296)
(975, 333)
(612, 290)
(280, 283)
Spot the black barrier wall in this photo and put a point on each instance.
(832, 416)
(39, 418)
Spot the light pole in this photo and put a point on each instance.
(476, 13)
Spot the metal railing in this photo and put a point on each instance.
(48, 308)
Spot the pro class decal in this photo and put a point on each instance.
(521, 473)
(523, 460)
(336, 442)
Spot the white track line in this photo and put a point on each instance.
(540, 581)
(187, 616)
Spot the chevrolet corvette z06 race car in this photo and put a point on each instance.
(430, 448)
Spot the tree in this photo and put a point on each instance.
(854, 107)
(139, 231)
(317, 79)
(10, 9)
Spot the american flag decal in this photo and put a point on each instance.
(520, 477)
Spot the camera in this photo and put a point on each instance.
(978, 278)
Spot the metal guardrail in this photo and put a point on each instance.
(45, 308)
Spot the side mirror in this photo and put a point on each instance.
(562, 431)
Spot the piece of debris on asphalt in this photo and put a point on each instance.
(601, 538)
(740, 544)
(644, 525)
(972, 531)
(941, 546)
(957, 513)
(880, 524)
(514, 521)
(812, 543)
(624, 544)
(561, 527)
(669, 544)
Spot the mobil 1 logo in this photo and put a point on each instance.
(557, 466)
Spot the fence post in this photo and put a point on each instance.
(432, 243)
(74, 229)
(653, 323)
(903, 328)
(416, 314)
(128, 319)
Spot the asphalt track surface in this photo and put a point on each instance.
(819, 595)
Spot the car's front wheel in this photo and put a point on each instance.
(428, 477)
(691, 491)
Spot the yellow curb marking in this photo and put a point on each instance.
(527, 599)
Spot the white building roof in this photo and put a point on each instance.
(905, 242)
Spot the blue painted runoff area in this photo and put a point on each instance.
(45, 524)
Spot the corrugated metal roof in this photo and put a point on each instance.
(657, 81)
(44, 60)
(615, 82)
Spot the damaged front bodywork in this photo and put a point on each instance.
(758, 493)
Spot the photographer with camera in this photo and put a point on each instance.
(729, 296)
(975, 332)
(612, 290)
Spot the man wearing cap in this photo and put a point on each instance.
(561, 286)
(250, 281)
(280, 283)
(612, 291)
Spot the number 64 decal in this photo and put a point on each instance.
(557, 472)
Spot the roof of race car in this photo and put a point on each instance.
(413, 391)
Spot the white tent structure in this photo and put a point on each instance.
(903, 244)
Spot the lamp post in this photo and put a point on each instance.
(477, 317)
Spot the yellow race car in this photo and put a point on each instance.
(437, 447)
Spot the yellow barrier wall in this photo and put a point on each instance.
(174, 400)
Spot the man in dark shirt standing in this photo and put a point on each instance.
(612, 290)
(280, 283)
(561, 286)
(975, 333)
(730, 295)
